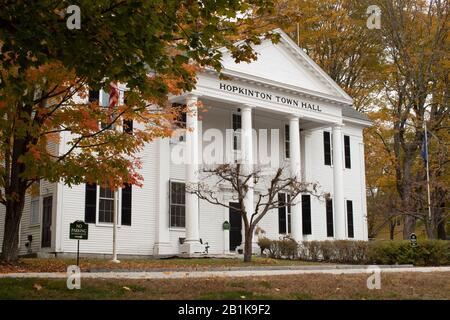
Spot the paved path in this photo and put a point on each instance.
(221, 274)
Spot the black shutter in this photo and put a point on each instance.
(90, 206)
(128, 126)
(306, 214)
(329, 206)
(351, 233)
(287, 139)
(327, 147)
(126, 205)
(94, 95)
(348, 162)
(281, 213)
(289, 213)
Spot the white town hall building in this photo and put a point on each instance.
(320, 140)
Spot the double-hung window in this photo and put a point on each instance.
(177, 204)
(34, 217)
(106, 205)
(99, 204)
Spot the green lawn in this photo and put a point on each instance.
(302, 287)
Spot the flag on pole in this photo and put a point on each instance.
(424, 151)
(113, 98)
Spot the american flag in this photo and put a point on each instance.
(113, 98)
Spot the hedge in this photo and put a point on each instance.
(426, 253)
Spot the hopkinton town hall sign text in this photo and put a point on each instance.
(269, 97)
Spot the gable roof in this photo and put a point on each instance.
(287, 66)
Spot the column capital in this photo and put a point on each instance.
(247, 106)
(338, 125)
(293, 117)
(191, 97)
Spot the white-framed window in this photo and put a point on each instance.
(177, 204)
(99, 205)
(34, 212)
(106, 205)
(104, 103)
(236, 123)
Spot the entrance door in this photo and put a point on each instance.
(235, 227)
(47, 222)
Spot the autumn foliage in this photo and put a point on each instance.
(48, 127)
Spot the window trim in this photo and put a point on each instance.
(39, 215)
(115, 202)
(174, 228)
(118, 203)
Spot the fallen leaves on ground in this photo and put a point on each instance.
(37, 286)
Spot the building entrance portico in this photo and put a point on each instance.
(291, 115)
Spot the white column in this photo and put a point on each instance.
(162, 242)
(192, 241)
(294, 147)
(338, 183)
(247, 158)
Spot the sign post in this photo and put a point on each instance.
(79, 230)
(413, 240)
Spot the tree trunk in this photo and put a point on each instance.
(441, 232)
(404, 187)
(409, 226)
(430, 228)
(10, 250)
(409, 221)
(392, 229)
(441, 222)
(248, 245)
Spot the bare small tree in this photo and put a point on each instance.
(232, 176)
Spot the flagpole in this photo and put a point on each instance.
(114, 257)
(428, 171)
(112, 103)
